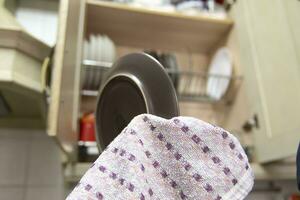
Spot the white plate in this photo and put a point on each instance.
(93, 46)
(96, 71)
(85, 56)
(183, 82)
(93, 49)
(85, 49)
(99, 42)
(89, 70)
(111, 49)
(104, 50)
(220, 65)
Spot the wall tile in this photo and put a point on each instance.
(11, 193)
(30, 166)
(44, 162)
(13, 159)
(44, 193)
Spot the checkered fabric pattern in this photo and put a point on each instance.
(181, 158)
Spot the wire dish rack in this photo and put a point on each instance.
(189, 85)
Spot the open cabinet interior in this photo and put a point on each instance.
(192, 40)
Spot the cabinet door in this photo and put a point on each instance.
(65, 90)
(293, 11)
(272, 76)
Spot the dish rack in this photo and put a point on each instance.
(190, 85)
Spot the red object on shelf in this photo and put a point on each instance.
(294, 197)
(87, 128)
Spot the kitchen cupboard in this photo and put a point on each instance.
(263, 39)
(78, 19)
(271, 67)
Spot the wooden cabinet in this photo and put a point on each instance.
(266, 45)
(128, 27)
(271, 70)
(65, 91)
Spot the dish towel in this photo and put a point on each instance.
(181, 158)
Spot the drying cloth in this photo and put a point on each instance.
(180, 158)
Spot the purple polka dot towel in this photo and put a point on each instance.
(181, 158)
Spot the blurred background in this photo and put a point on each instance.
(233, 63)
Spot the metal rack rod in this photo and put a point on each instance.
(190, 85)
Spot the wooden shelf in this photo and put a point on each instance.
(148, 28)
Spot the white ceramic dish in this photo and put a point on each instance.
(98, 54)
(94, 49)
(89, 71)
(99, 48)
(93, 46)
(110, 50)
(85, 56)
(221, 67)
(85, 49)
(106, 49)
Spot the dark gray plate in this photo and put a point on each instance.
(136, 84)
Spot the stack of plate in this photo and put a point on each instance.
(99, 51)
(168, 61)
(220, 72)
